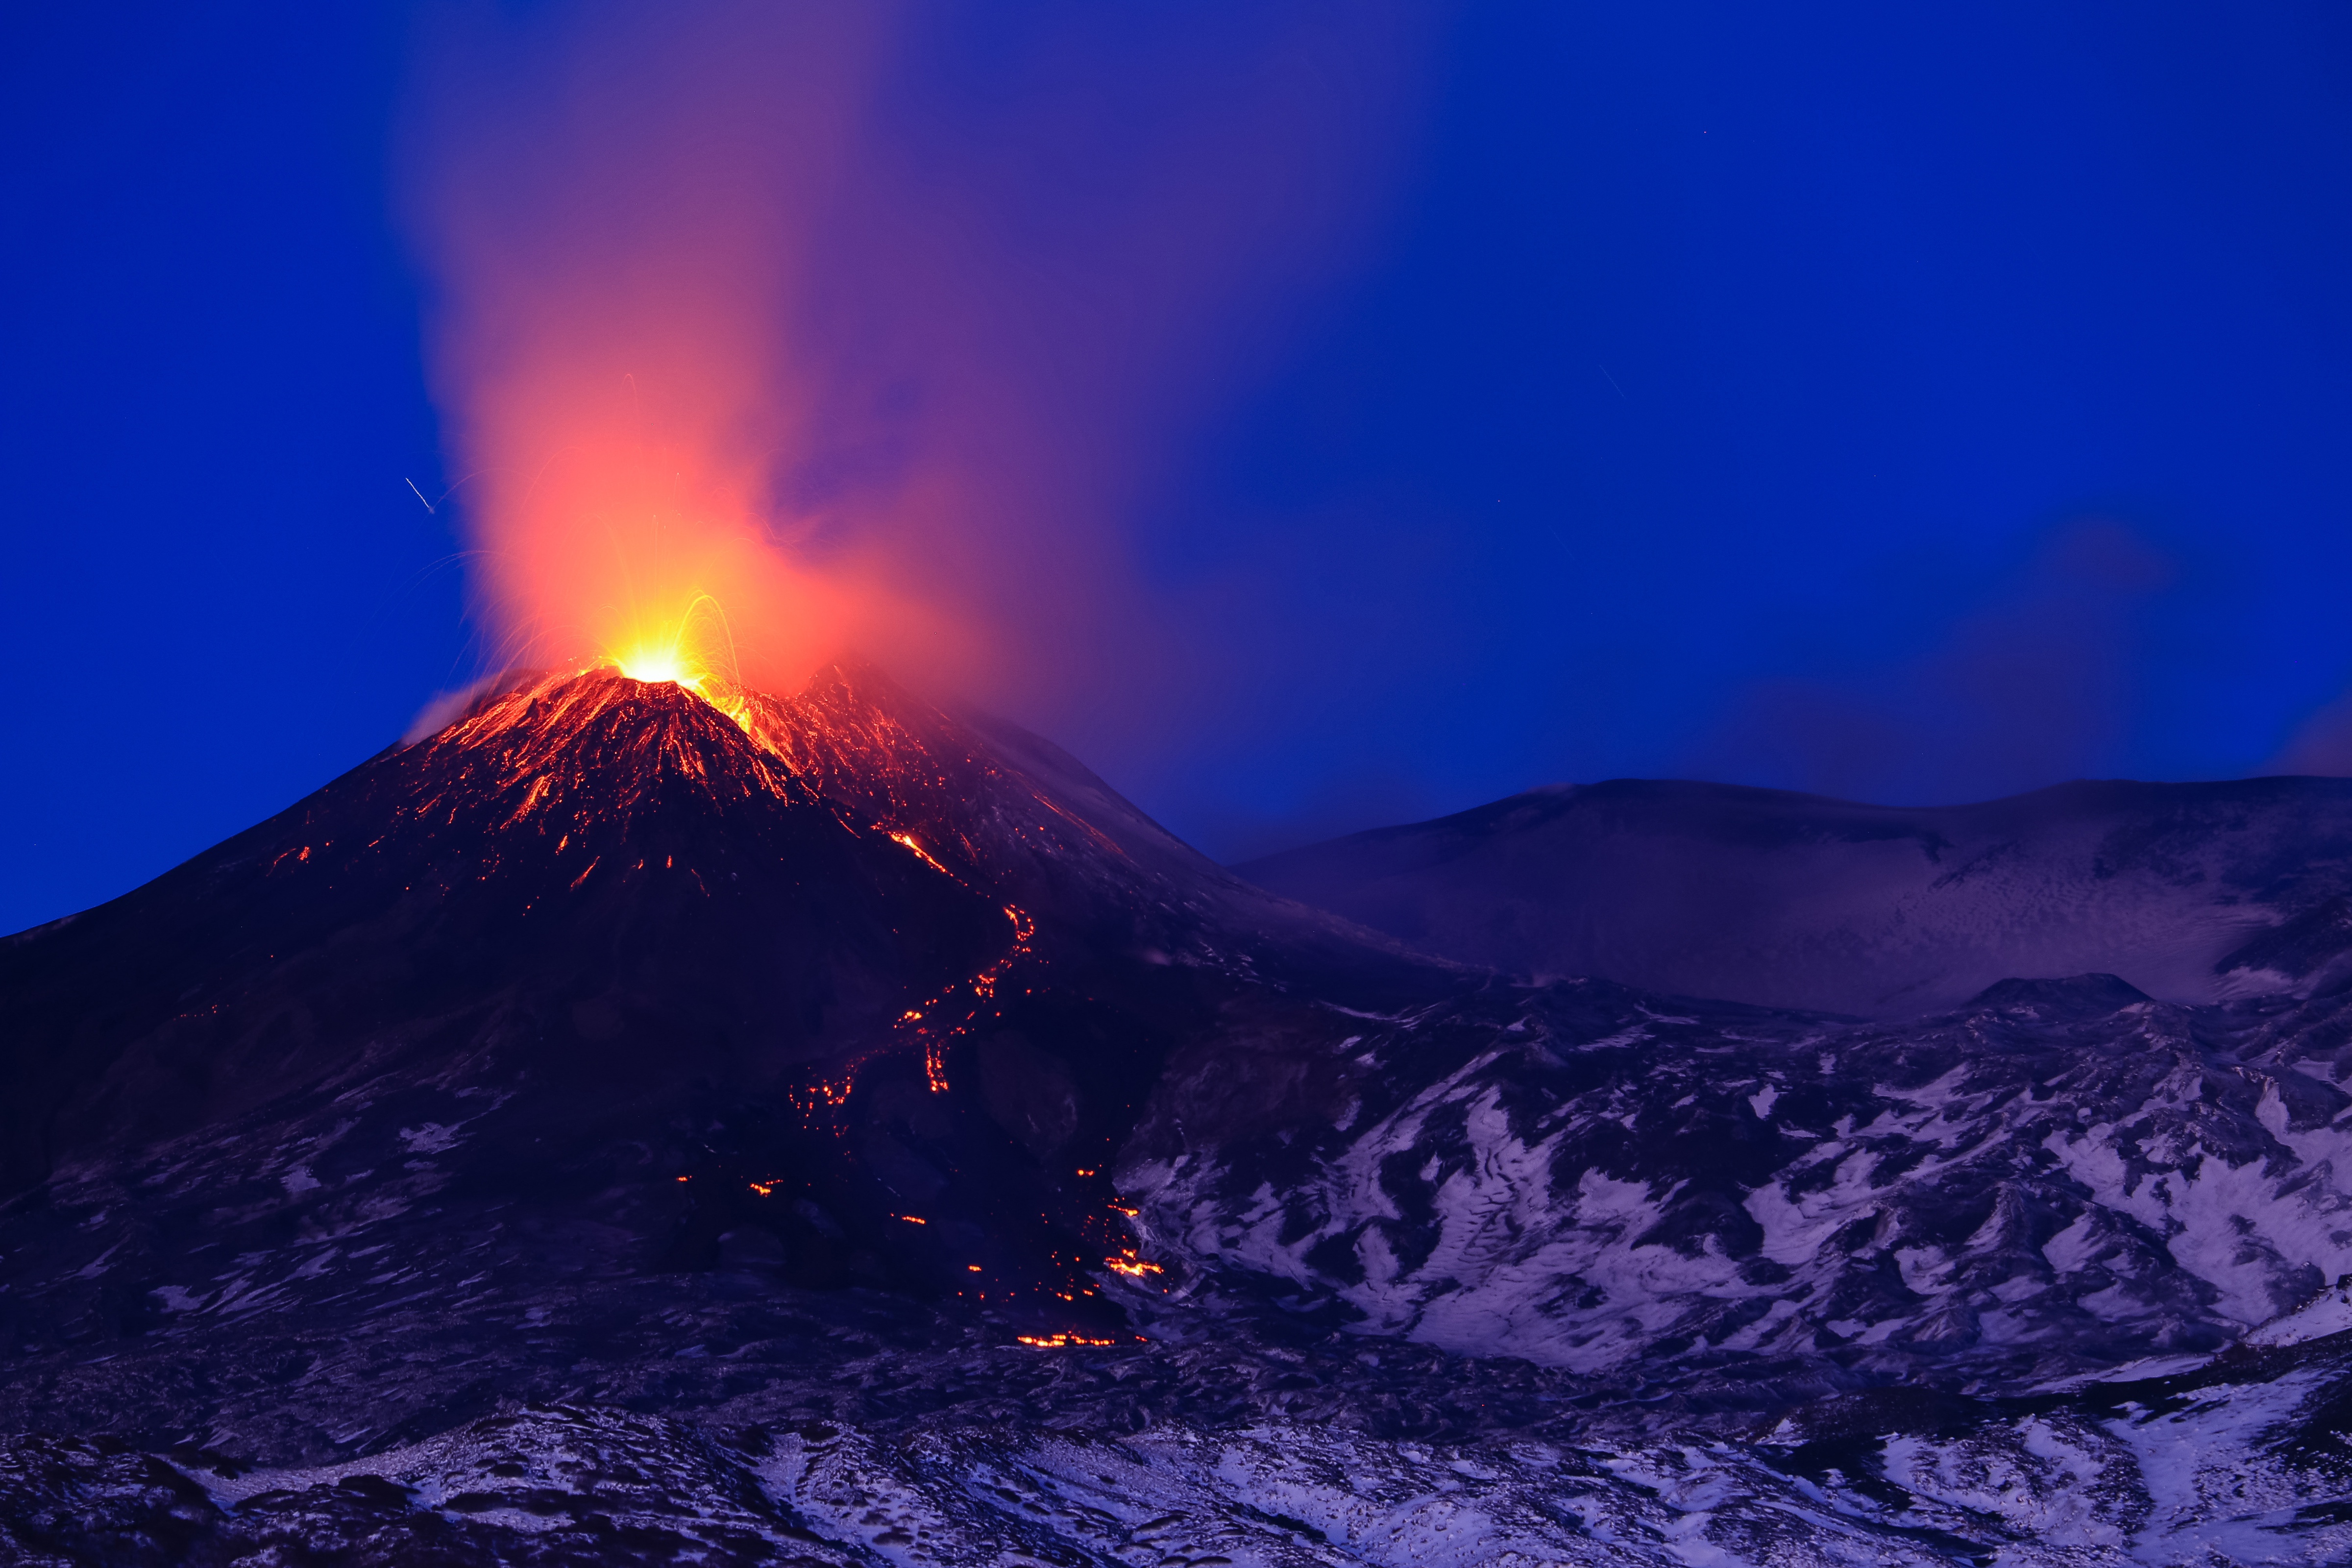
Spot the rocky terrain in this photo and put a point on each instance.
(2235, 1458)
(614, 1131)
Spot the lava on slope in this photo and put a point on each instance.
(1031, 823)
(619, 1128)
(563, 855)
(628, 985)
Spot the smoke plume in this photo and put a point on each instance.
(864, 327)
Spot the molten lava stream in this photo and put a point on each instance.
(1063, 1341)
(921, 1023)
(696, 652)
(982, 985)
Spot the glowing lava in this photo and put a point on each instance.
(1062, 1340)
(1129, 1263)
(679, 651)
(658, 665)
(696, 652)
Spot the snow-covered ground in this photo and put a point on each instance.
(2195, 1470)
(2023, 1188)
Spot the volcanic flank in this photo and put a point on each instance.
(657, 986)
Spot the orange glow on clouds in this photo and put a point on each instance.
(600, 561)
(615, 209)
(754, 346)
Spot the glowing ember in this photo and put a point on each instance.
(921, 854)
(1062, 1341)
(520, 746)
(696, 652)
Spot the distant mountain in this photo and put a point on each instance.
(2193, 892)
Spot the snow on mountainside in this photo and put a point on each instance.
(2061, 1178)
(2215, 1464)
(2191, 892)
(614, 1131)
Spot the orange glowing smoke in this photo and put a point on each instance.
(592, 564)
(755, 339)
(620, 231)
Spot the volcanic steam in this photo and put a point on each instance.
(763, 332)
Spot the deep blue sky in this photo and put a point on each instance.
(1916, 405)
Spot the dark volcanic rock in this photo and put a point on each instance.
(596, 991)
(610, 1131)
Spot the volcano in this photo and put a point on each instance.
(837, 1129)
(622, 981)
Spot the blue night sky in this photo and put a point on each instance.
(1909, 404)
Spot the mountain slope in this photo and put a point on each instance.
(593, 983)
(1032, 823)
(2057, 1180)
(612, 1130)
(1794, 901)
(530, 871)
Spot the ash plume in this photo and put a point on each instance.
(869, 330)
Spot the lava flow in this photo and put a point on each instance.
(834, 988)
(687, 653)
(601, 747)
(540, 746)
